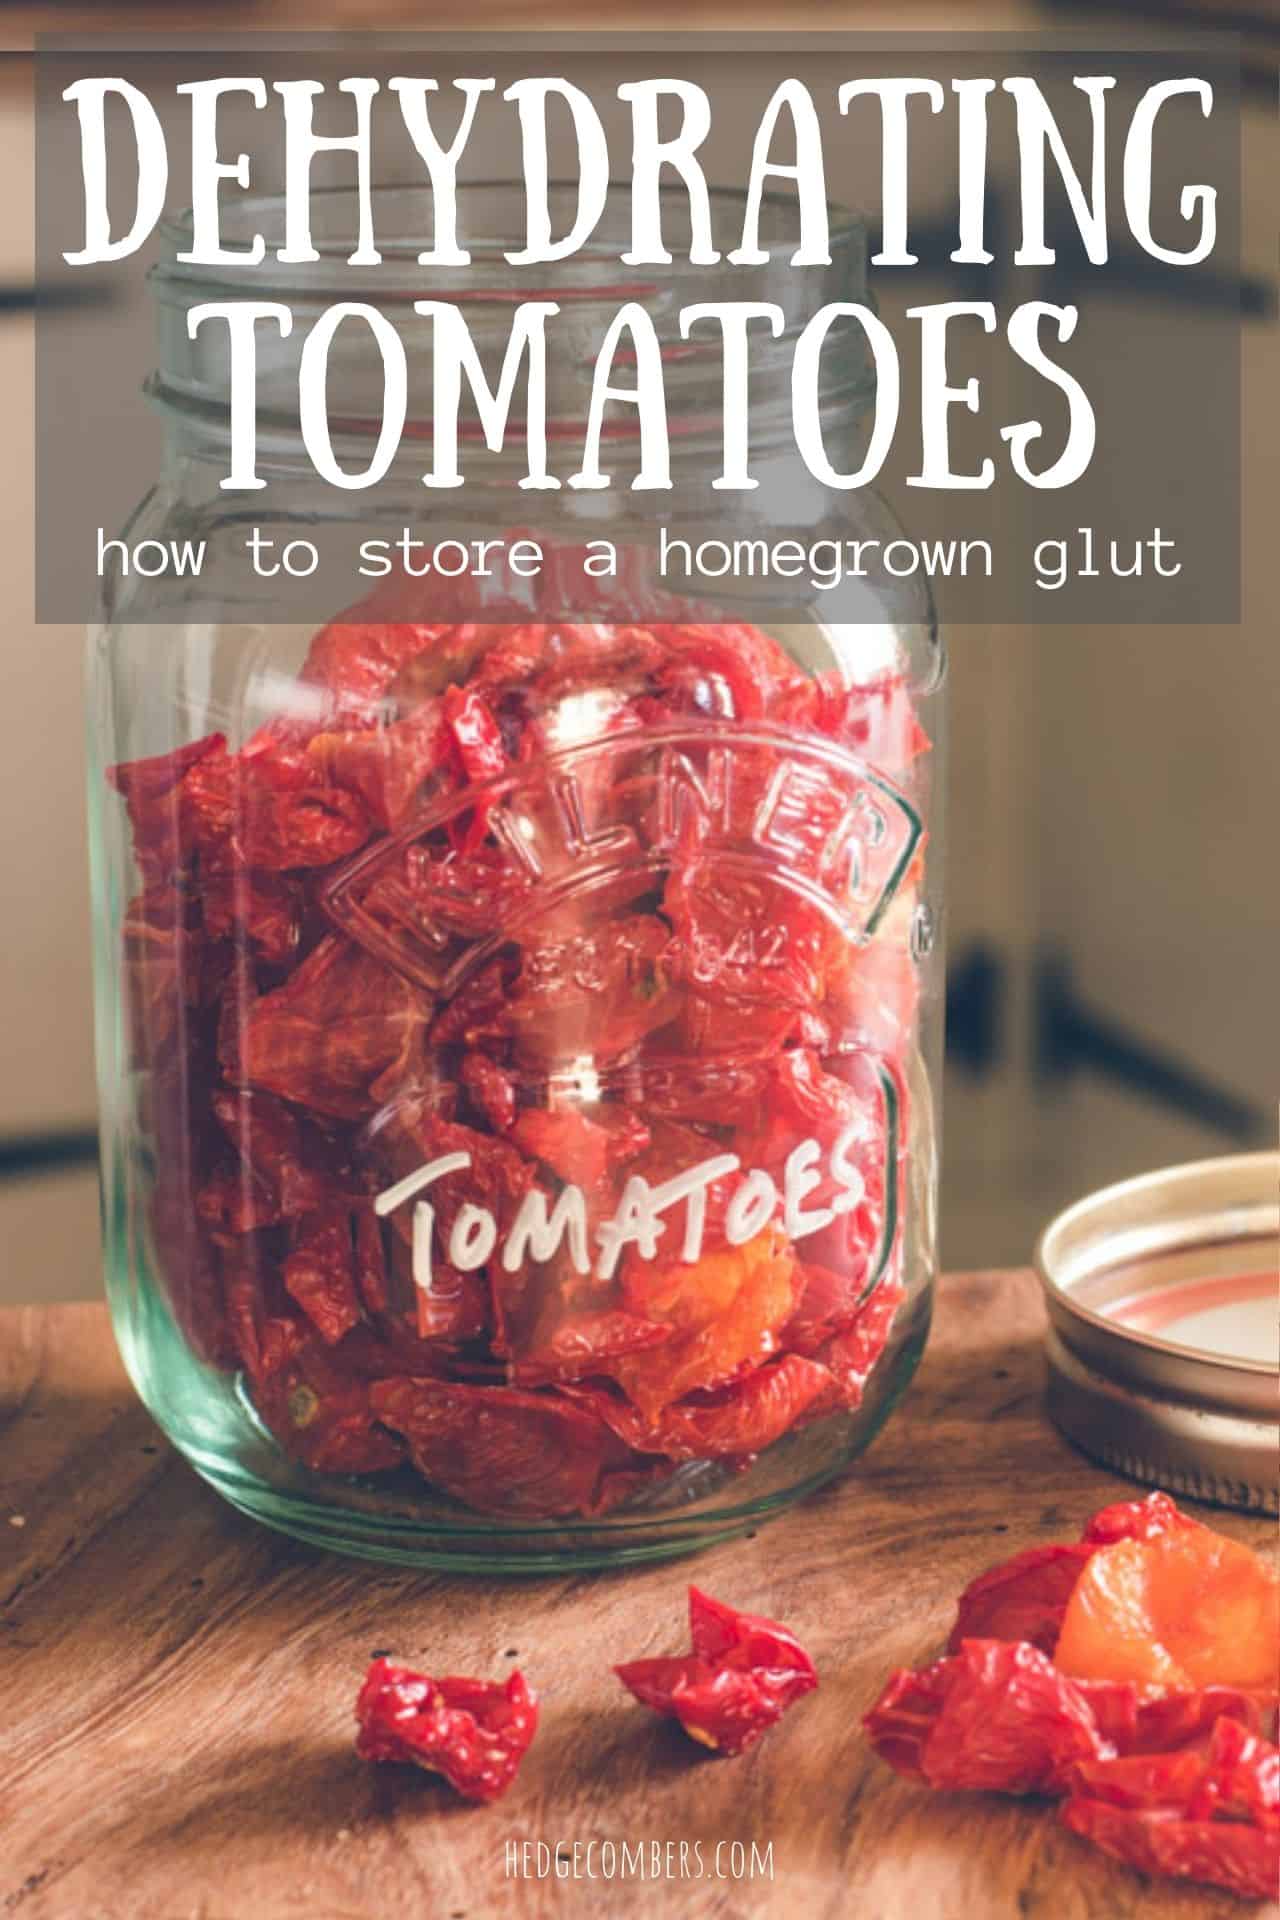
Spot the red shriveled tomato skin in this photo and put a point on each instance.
(739, 1679)
(475, 1733)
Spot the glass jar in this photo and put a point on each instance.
(517, 1034)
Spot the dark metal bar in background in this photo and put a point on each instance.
(30, 1154)
(1072, 1036)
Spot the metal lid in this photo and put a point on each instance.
(1164, 1328)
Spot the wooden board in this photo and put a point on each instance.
(176, 1684)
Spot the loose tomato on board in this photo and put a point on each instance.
(1149, 1697)
(739, 1679)
(1210, 1815)
(1026, 1598)
(1185, 1608)
(473, 1732)
(996, 1715)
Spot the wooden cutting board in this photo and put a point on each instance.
(176, 1684)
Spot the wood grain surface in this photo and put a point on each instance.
(176, 1684)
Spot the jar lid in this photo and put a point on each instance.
(1164, 1334)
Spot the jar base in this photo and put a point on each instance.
(368, 1520)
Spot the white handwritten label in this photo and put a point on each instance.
(640, 1219)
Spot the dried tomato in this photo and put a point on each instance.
(583, 1342)
(1136, 1719)
(261, 910)
(389, 767)
(1184, 1607)
(600, 993)
(162, 971)
(739, 1679)
(502, 1449)
(1143, 1519)
(851, 1355)
(732, 1305)
(476, 735)
(288, 1041)
(322, 1414)
(996, 1715)
(736, 1421)
(1211, 1816)
(266, 809)
(1023, 1599)
(289, 1158)
(150, 790)
(474, 1732)
(320, 1272)
(1154, 1722)
(360, 661)
(1026, 1598)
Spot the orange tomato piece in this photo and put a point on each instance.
(1184, 1609)
(729, 1306)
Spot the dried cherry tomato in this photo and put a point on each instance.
(739, 1679)
(997, 1715)
(1211, 1816)
(473, 1732)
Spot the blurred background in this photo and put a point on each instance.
(1114, 887)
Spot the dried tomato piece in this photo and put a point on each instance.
(455, 1307)
(149, 789)
(295, 1170)
(1023, 1599)
(391, 768)
(572, 1146)
(268, 1332)
(1183, 1607)
(851, 1355)
(1136, 1719)
(1026, 1598)
(732, 1304)
(1212, 1816)
(491, 1090)
(584, 1342)
(476, 734)
(736, 671)
(163, 976)
(264, 808)
(581, 1150)
(997, 1715)
(233, 1201)
(474, 1732)
(360, 660)
(1143, 1519)
(833, 1303)
(262, 910)
(320, 1272)
(743, 1673)
(744, 937)
(475, 1011)
(502, 1450)
(322, 1415)
(738, 1420)
(332, 1037)
(600, 992)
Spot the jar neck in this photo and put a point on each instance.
(193, 383)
